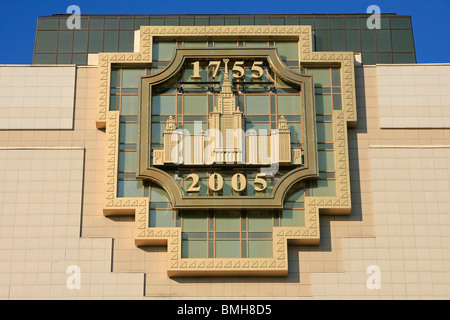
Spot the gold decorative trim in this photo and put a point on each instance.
(139, 207)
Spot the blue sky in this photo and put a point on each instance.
(18, 18)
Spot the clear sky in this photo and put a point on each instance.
(18, 18)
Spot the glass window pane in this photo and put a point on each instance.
(161, 219)
(194, 221)
(324, 188)
(247, 21)
(65, 41)
(193, 249)
(157, 132)
(369, 58)
(186, 21)
(400, 23)
(321, 76)
(353, 40)
(385, 58)
(402, 41)
(201, 21)
(229, 221)
(126, 41)
(404, 58)
(157, 193)
(352, 23)
(322, 40)
(322, 23)
(44, 59)
(287, 50)
(46, 41)
(48, 24)
(259, 221)
(80, 41)
(163, 50)
(140, 22)
(95, 41)
(130, 77)
(111, 39)
(128, 133)
(111, 24)
(326, 160)
(368, 40)
(127, 161)
(383, 40)
(195, 104)
(324, 132)
(64, 58)
(260, 248)
(288, 104)
(164, 105)
(126, 24)
(96, 24)
(323, 104)
(338, 40)
(228, 249)
(129, 105)
(293, 218)
(257, 104)
(337, 23)
(79, 59)
(129, 188)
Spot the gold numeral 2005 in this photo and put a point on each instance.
(238, 182)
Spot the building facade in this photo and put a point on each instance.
(220, 156)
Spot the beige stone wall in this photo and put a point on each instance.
(409, 247)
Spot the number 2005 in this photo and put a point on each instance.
(238, 182)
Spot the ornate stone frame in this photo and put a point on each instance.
(139, 207)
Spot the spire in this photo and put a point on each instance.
(226, 85)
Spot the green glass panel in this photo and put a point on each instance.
(247, 21)
(201, 21)
(338, 40)
(260, 248)
(95, 41)
(44, 58)
(163, 50)
(65, 41)
(324, 188)
(194, 221)
(261, 21)
(80, 41)
(337, 23)
(322, 40)
(326, 160)
(337, 102)
(336, 77)
(64, 58)
(46, 41)
(231, 21)
(383, 40)
(131, 77)
(96, 24)
(368, 40)
(228, 249)
(296, 132)
(127, 161)
(48, 23)
(404, 58)
(324, 132)
(79, 59)
(115, 78)
(321, 76)
(257, 104)
(260, 221)
(306, 22)
(129, 188)
(291, 21)
(126, 24)
(288, 104)
(353, 40)
(228, 221)
(400, 23)
(126, 40)
(111, 24)
(369, 58)
(257, 44)
(321, 23)
(402, 41)
(129, 104)
(195, 104)
(164, 105)
(111, 39)
(140, 22)
(195, 44)
(287, 50)
(352, 23)
(161, 218)
(157, 193)
(385, 58)
(186, 21)
(194, 249)
(293, 218)
(128, 133)
(323, 104)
